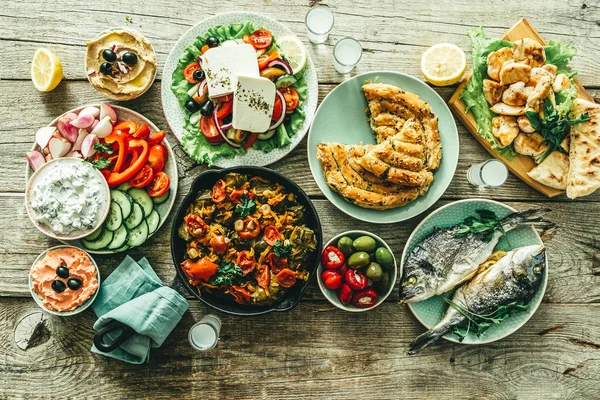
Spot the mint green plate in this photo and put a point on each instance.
(341, 118)
(429, 312)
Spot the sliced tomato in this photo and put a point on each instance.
(251, 228)
(225, 109)
(240, 294)
(157, 138)
(188, 72)
(142, 132)
(143, 177)
(209, 130)
(286, 278)
(292, 99)
(271, 235)
(128, 127)
(263, 276)
(261, 38)
(159, 185)
(219, 243)
(277, 109)
(157, 156)
(246, 261)
(277, 264)
(224, 98)
(251, 139)
(263, 60)
(218, 191)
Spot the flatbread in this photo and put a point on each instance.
(553, 171)
(584, 153)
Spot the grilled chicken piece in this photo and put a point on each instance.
(561, 82)
(541, 91)
(530, 144)
(495, 61)
(530, 52)
(492, 91)
(550, 68)
(537, 73)
(525, 125)
(505, 129)
(512, 72)
(516, 94)
(505, 109)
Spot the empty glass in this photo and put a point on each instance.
(204, 335)
(490, 173)
(347, 52)
(319, 22)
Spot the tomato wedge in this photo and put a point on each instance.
(159, 185)
(261, 38)
(188, 72)
(157, 138)
(251, 228)
(143, 177)
(271, 235)
(263, 276)
(209, 130)
(246, 261)
(277, 109)
(286, 278)
(225, 109)
(218, 191)
(292, 99)
(263, 61)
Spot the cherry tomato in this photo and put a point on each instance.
(276, 263)
(240, 294)
(160, 185)
(219, 243)
(225, 109)
(246, 261)
(143, 177)
(271, 235)
(277, 109)
(331, 279)
(356, 279)
(157, 156)
(157, 138)
(209, 130)
(345, 294)
(261, 39)
(251, 228)
(195, 226)
(286, 278)
(188, 72)
(292, 99)
(218, 191)
(263, 276)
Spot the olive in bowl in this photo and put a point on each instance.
(357, 272)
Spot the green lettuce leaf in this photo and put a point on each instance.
(560, 54)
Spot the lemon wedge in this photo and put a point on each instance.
(46, 70)
(443, 64)
(294, 52)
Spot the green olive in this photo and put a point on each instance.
(384, 257)
(374, 271)
(345, 245)
(359, 260)
(365, 243)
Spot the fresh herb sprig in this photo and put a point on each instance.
(228, 273)
(281, 249)
(246, 207)
(100, 163)
(103, 148)
(486, 222)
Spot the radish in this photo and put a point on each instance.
(87, 146)
(93, 111)
(104, 128)
(66, 129)
(93, 125)
(58, 147)
(35, 159)
(49, 157)
(83, 121)
(82, 134)
(74, 153)
(43, 135)
(106, 110)
(70, 116)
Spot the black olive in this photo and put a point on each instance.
(207, 108)
(74, 283)
(109, 55)
(130, 58)
(106, 68)
(192, 106)
(212, 41)
(58, 286)
(62, 272)
(288, 119)
(198, 75)
(228, 118)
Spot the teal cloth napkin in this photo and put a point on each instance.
(134, 295)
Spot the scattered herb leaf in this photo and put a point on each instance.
(486, 222)
(246, 207)
(100, 163)
(228, 273)
(103, 148)
(282, 250)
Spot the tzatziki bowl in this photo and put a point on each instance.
(67, 199)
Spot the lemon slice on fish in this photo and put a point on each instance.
(294, 52)
(443, 64)
(46, 70)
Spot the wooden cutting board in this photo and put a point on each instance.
(520, 165)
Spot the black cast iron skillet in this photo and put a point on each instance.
(225, 303)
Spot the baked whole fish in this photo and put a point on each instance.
(443, 260)
(515, 277)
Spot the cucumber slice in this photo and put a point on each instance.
(125, 186)
(138, 235)
(125, 247)
(141, 197)
(115, 217)
(195, 118)
(285, 81)
(123, 200)
(153, 221)
(100, 243)
(161, 199)
(267, 135)
(95, 235)
(137, 216)
(194, 89)
(119, 239)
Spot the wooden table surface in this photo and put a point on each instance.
(314, 350)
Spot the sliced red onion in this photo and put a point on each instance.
(222, 131)
(226, 127)
(279, 63)
(201, 88)
(275, 124)
(122, 67)
(114, 46)
(200, 59)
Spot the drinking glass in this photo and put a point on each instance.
(347, 52)
(319, 22)
(490, 173)
(204, 335)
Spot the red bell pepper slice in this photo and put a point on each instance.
(332, 257)
(116, 178)
(365, 299)
(143, 132)
(126, 126)
(119, 137)
(250, 141)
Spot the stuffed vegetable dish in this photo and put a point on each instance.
(246, 238)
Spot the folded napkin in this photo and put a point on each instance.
(134, 295)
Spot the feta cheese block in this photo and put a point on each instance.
(253, 102)
(223, 64)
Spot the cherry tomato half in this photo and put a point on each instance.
(246, 261)
(261, 39)
(276, 263)
(160, 185)
(143, 177)
(188, 72)
(219, 243)
(251, 228)
(292, 99)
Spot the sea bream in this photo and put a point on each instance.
(515, 277)
(444, 260)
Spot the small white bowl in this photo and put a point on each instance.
(79, 309)
(332, 296)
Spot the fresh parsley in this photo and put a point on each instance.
(103, 148)
(282, 250)
(246, 207)
(228, 273)
(486, 222)
(100, 163)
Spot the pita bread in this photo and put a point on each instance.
(553, 171)
(584, 153)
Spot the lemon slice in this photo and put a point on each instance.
(294, 52)
(46, 70)
(443, 64)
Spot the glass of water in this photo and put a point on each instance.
(319, 22)
(490, 173)
(347, 52)
(204, 335)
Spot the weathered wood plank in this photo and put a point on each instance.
(311, 352)
(392, 39)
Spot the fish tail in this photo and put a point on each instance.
(531, 217)
(427, 338)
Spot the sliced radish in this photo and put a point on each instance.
(93, 111)
(106, 110)
(66, 129)
(70, 116)
(58, 147)
(82, 134)
(43, 135)
(35, 159)
(103, 129)
(49, 157)
(93, 125)
(87, 146)
(74, 154)
(83, 121)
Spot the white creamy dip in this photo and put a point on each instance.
(68, 196)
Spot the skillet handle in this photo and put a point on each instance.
(126, 333)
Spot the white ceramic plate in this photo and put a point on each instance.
(175, 114)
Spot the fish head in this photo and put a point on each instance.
(418, 282)
(532, 260)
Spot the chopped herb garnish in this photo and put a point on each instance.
(103, 148)
(246, 207)
(486, 222)
(100, 163)
(228, 273)
(282, 250)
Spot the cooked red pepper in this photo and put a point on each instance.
(246, 261)
(240, 294)
(116, 178)
(345, 294)
(356, 279)
(331, 279)
(332, 257)
(276, 263)
(286, 278)
(195, 226)
(271, 235)
(218, 191)
(238, 193)
(365, 298)
(251, 228)
(263, 276)
(202, 269)
(120, 138)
